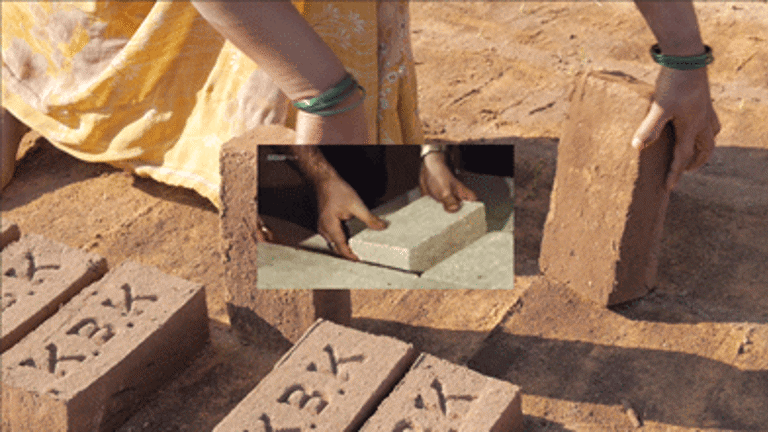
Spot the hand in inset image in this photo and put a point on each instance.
(349, 181)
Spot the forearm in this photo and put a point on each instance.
(674, 25)
(275, 36)
(312, 163)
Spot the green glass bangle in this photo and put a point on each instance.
(682, 63)
(339, 111)
(321, 105)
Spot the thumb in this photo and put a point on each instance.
(463, 192)
(451, 204)
(651, 127)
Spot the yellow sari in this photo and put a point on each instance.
(151, 87)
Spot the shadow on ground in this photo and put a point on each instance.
(227, 369)
(662, 386)
(45, 169)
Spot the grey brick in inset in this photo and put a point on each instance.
(606, 215)
(287, 267)
(94, 362)
(38, 276)
(420, 235)
(488, 263)
(330, 381)
(9, 233)
(441, 396)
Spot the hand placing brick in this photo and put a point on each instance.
(609, 200)
(330, 381)
(420, 235)
(39, 275)
(440, 396)
(92, 364)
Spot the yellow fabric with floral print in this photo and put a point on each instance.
(151, 87)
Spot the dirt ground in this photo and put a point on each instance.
(693, 355)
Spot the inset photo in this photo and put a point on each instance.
(386, 217)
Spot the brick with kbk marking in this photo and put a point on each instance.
(420, 235)
(441, 396)
(95, 361)
(330, 381)
(39, 275)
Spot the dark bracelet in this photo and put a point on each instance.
(321, 105)
(682, 63)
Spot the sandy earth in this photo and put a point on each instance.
(693, 355)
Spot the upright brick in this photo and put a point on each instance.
(238, 217)
(420, 235)
(330, 381)
(441, 396)
(92, 364)
(9, 232)
(39, 275)
(257, 313)
(608, 202)
(488, 263)
(279, 315)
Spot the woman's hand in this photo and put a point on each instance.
(683, 98)
(350, 127)
(437, 181)
(338, 202)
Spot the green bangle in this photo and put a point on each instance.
(320, 105)
(682, 63)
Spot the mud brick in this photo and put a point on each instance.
(330, 381)
(238, 225)
(92, 364)
(438, 395)
(420, 235)
(608, 203)
(283, 315)
(38, 276)
(239, 188)
(488, 263)
(9, 233)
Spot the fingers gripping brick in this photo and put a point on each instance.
(608, 202)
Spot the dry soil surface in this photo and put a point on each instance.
(693, 355)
